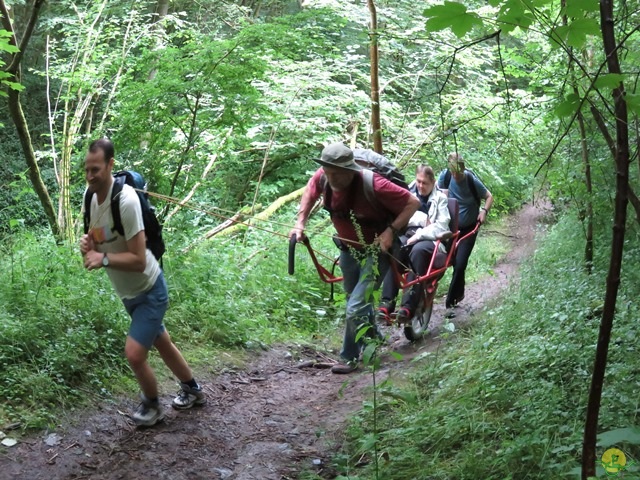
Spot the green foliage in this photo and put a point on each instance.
(63, 329)
(199, 90)
(507, 399)
(5, 78)
(575, 34)
(238, 101)
(48, 346)
(256, 100)
(451, 15)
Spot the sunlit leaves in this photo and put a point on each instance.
(577, 8)
(575, 33)
(568, 106)
(5, 46)
(633, 102)
(609, 80)
(13, 85)
(451, 15)
(513, 14)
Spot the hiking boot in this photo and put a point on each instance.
(148, 413)
(450, 313)
(188, 397)
(345, 367)
(404, 315)
(454, 303)
(383, 315)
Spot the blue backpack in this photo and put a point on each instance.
(152, 227)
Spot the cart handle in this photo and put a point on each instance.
(325, 275)
(292, 253)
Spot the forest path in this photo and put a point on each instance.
(269, 421)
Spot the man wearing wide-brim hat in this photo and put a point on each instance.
(359, 224)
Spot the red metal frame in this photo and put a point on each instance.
(431, 276)
(325, 275)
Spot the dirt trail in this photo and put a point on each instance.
(267, 422)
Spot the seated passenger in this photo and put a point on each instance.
(428, 224)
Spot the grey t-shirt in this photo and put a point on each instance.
(468, 206)
(126, 284)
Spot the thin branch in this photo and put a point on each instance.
(17, 57)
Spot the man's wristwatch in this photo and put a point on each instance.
(105, 260)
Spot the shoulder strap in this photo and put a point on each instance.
(88, 195)
(118, 183)
(447, 178)
(369, 191)
(326, 192)
(367, 184)
(472, 185)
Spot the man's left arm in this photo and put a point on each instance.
(484, 211)
(133, 260)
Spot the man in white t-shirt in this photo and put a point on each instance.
(138, 280)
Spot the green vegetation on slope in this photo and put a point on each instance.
(506, 399)
(62, 329)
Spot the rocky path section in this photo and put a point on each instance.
(269, 421)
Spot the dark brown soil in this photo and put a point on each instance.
(268, 421)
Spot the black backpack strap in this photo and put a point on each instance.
(88, 195)
(326, 193)
(472, 185)
(447, 178)
(118, 183)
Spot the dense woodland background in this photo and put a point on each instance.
(222, 105)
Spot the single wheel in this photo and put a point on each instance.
(418, 327)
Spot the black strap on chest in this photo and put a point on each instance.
(347, 212)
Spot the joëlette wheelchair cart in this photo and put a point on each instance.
(417, 326)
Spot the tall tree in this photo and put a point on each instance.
(376, 128)
(17, 114)
(611, 48)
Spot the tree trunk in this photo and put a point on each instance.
(375, 85)
(588, 247)
(635, 202)
(17, 114)
(162, 9)
(617, 244)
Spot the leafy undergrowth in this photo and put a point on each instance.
(62, 329)
(506, 399)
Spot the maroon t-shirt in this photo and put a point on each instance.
(372, 219)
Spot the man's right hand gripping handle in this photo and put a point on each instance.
(295, 236)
